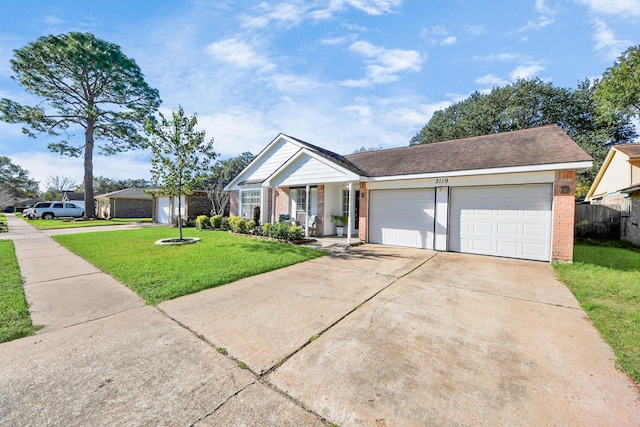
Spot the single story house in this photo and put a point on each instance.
(165, 208)
(618, 184)
(509, 194)
(126, 203)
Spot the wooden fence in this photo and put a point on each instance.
(598, 221)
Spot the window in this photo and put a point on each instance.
(250, 199)
(299, 203)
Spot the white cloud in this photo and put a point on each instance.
(239, 54)
(614, 7)
(491, 80)
(526, 71)
(438, 35)
(606, 41)
(373, 7)
(278, 14)
(384, 64)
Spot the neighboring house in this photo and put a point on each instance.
(618, 184)
(510, 194)
(70, 196)
(165, 208)
(127, 203)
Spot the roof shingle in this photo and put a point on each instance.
(536, 146)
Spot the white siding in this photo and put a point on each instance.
(308, 170)
(279, 154)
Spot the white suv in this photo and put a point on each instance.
(50, 210)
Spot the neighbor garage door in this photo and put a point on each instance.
(510, 221)
(402, 217)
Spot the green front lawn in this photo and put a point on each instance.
(159, 273)
(605, 279)
(15, 321)
(50, 224)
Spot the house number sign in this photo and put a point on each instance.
(442, 181)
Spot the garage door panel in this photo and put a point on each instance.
(402, 217)
(510, 221)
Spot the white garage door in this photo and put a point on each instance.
(402, 217)
(510, 221)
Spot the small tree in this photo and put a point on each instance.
(56, 185)
(181, 157)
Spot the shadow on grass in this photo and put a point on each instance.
(613, 254)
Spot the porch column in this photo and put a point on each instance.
(306, 214)
(351, 209)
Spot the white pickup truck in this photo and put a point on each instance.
(50, 210)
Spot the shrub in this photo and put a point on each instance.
(225, 224)
(202, 222)
(251, 226)
(238, 224)
(296, 232)
(265, 228)
(216, 221)
(185, 222)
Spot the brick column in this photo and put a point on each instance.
(364, 209)
(234, 203)
(282, 201)
(564, 207)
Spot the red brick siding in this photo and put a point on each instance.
(363, 214)
(234, 203)
(564, 207)
(282, 202)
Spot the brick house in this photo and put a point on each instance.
(509, 194)
(127, 203)
(618, 185)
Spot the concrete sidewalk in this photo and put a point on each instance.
(367, 336)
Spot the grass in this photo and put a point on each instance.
(51, 224)
(605, 279)
(15, 321)
(159, 273)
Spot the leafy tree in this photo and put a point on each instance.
(86, 84)
(15, 183)
(181, 157)
(56, 185)
(529, 103)
(223, 172)
(618, 92)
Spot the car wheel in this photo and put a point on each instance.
(47, 215)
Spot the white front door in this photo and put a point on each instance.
(402, 217)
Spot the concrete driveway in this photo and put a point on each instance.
(372, 336)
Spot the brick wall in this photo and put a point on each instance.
(282, 202)
(131, 208)
(198, 204)
(234, 203)
(630, 229)
(564, 206)
(364, 207)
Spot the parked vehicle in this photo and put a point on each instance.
(55, 209)
(27, 212)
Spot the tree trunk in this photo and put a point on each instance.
(180, 211)
(89, 207)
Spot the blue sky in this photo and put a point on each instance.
(341, 74)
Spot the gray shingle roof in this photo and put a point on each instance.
(128, 193)
(537, 146)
